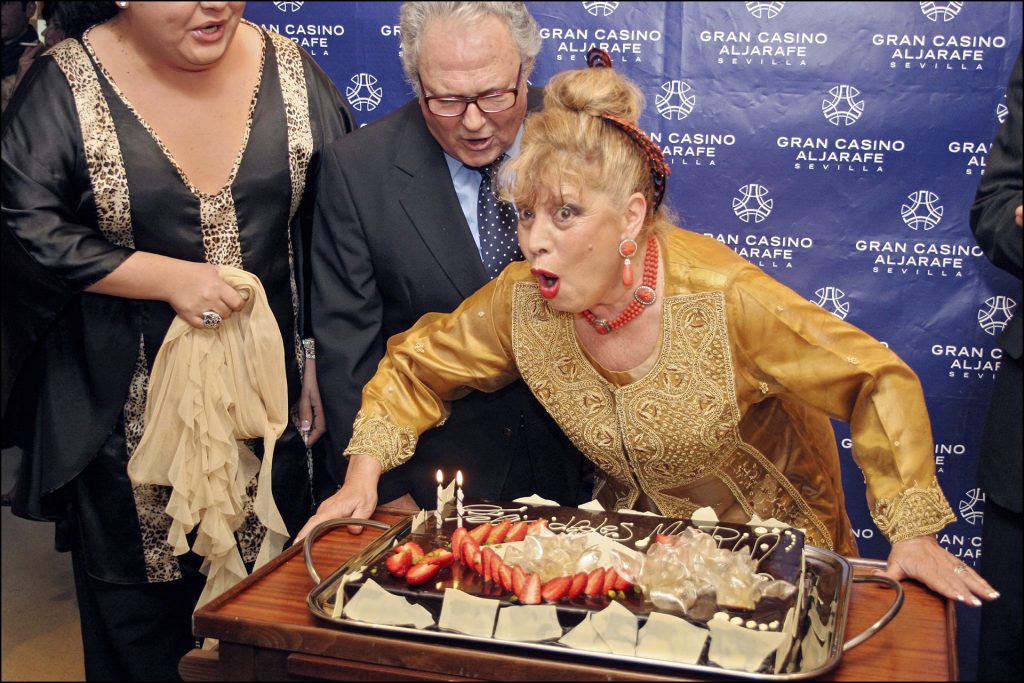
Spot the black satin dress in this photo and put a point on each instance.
(86, 182)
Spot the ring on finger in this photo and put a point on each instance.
(960, 568)
(212, 319)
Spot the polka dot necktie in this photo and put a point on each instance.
(496, 221)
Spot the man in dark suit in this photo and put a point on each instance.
(996, 222)
(398, 235)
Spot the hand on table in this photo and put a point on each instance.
(922, 558)
(356, 498)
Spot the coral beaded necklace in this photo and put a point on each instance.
(643, 296)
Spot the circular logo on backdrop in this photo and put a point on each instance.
(843, 107)
(676, 100)
(765, 10)
(752, 203)
(288, 6)
(946, 11)
(969, 506)
(603, 9)
(832, 300)
(923, 211)
(364, 94)
(996, 313)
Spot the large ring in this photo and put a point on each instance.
(960, 568)
(212, 319)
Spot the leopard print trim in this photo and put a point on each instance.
(135, 404)
(100, 143)
(300, 151)
(676, 426)
(250, 532)
(150, 499)
(381, 439)
(219, 225)
(913, 512)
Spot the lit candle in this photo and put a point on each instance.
(458, 497)
(437, 509)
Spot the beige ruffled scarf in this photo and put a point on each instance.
(208, 391)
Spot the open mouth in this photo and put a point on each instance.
(209, 31)
(477, 144)
(547, 281)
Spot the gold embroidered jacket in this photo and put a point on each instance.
(734, 413)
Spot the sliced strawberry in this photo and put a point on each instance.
(505, 574)
(536, 526)
(495, 569)
(481, 533)
(556, 589)
(610, 577)
(413, 548)
(478, 565)
(398, 564)
(579, 582)
(595, 582)
(469, 549)
(531, 591)
(518, 579)
(517, 532)
(486, 554)
(662, 538)
(621, 584)
(440, 556)
(457, 537)
(421, 573)
(499, 532)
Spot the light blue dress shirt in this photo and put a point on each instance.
(467, 186)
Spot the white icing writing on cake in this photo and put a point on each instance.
(617, 532)
(479, 513)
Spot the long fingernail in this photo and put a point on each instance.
(305, 425)
(960, 597)
(976, 602)
(994, 594)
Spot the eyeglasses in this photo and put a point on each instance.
(490, 102)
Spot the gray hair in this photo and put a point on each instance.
(416, 15)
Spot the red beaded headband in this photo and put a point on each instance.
(660, 171)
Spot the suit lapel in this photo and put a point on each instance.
(430, 202)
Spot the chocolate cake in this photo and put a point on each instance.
(777, 551)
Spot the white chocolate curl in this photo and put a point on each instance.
(689, 568)
(551, 555)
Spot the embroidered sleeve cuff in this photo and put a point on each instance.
(914, 512)
(374, 436)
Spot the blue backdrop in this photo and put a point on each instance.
(836, 145)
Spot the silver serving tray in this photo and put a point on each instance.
(828, 587)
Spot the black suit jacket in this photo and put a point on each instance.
(992, 220)
(390, 244)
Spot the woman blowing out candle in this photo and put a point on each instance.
(697, 380)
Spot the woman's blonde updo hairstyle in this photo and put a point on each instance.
(569, 142)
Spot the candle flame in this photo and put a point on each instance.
(458, 478)
(440, 477)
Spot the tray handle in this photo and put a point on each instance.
(890, 613)
(318, 531)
